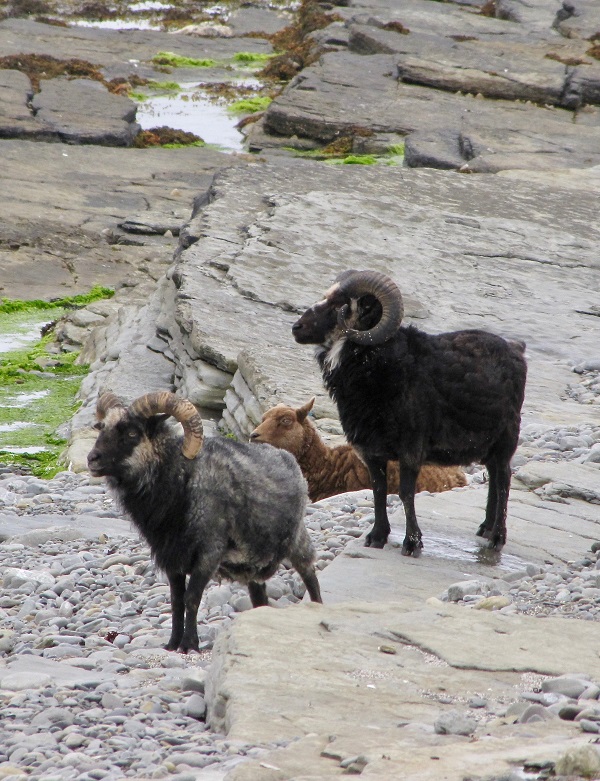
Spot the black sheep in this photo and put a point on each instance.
(412, 397)
(227, 509)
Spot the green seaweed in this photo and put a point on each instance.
(250, 105)
(178, 61)
(392, 157)
(355, 160)
(314, 154)
(252, 57)
(183, 146)
(396, 149)
(43, 398)
(9, 306)
(169, 86)
(139, 97)
(38, 386)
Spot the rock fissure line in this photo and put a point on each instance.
(527, 258)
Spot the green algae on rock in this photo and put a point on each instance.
(178, 61)
(250, 105)
(38, 384)
(98, 292)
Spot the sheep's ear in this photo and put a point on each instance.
(303, 411)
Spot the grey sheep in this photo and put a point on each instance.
(225, 510)
(408, 396)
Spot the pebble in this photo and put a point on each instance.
(454, 722)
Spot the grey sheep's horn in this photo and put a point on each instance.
(385, 290)
(165, 403)
(106, 402)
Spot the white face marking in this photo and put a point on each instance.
(335, 353)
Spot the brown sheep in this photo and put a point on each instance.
(335, 470)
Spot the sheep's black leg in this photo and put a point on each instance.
(497, 537)
(258, 594)
(197, 583)
(412, 544)
(378, 535)
(177, 586)
(491, 510)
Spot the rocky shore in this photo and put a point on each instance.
(88, 691)
(454, 664)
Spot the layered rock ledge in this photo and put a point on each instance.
(463, 91)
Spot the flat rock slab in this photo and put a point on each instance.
(574, 481)
(578, 19)
(540, 530)
(120, 53)
(456, 19)
(87, 526)
(347, 94)
(81, 111)
(61, 204)
(411, 753)
(46, 672)
(484, 251)
(499, 642)
(551, 73)
(379, 704)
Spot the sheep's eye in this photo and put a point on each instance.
(132, 434)
(287, 422)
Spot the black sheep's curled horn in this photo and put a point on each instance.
(385, 290)
(106, 402)
(165, 403)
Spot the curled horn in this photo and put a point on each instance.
(385, 290)
(165, 403)
(106, 402)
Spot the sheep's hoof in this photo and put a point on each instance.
(188, 645)
(483, 531)
(374, 542)
(172, 645)
(412, 548)
(496, 543)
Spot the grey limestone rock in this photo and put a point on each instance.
(567, 685)
(85, 112)
(454, 722)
